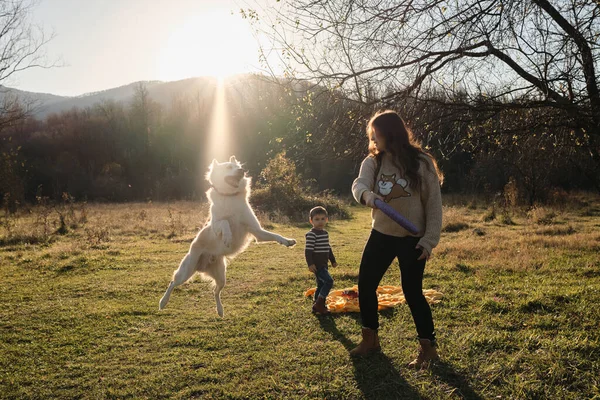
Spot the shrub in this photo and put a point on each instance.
(541, 216)
(96, 235)
(108, 188)
(472, 205)
(280, 192)
(556, 231)
(453, 220)
(455, 227)
(275, 203)
(558, 198)
(490, 215)
(511, 193)
(506, 219)
(478, 232)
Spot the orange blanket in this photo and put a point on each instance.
(344, 300)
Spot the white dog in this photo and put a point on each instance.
(228, 232)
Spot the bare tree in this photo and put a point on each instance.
(21, 45)
(21, 48)
(482, 55)
(21, 42)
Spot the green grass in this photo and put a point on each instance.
(79, 317)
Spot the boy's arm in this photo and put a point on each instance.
(308, 254)
(331, 256)
(309, 248)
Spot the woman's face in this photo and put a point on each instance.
(378, 140)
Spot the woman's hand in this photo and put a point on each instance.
(369, 198)
(424, 253)
(312, 268)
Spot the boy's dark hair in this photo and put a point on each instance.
(318, 210)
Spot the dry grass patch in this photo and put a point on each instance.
(543, 215)
(454, 220)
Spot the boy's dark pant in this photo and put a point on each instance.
(324, 282)
(377, 256)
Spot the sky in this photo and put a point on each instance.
(103, 44)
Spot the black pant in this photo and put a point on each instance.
(377, 256)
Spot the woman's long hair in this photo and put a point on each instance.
(401, 144)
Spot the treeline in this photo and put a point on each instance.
(144, 151)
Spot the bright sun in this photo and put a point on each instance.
(215, 43)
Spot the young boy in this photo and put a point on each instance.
(318, 252)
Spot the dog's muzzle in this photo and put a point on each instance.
(234, 180)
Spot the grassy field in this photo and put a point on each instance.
(79, 316)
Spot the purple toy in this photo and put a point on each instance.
(396, 216)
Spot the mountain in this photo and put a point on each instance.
(29, 98)
(162, 92)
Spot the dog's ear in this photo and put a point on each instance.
(232, 159)
(214, 162)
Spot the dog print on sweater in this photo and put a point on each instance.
(392, 188)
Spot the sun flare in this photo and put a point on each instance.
(215, 43)
(219, 133)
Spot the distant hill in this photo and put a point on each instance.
(30, 97)
(161, 92)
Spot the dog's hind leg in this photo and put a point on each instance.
(186, 269)
(219, 276)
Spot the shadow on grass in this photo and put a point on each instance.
(447, 374)
(376, 375)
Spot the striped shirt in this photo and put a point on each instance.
(317, 249)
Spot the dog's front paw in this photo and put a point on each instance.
(290, 242)
(227, 241)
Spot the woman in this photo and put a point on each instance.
(399, 172)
